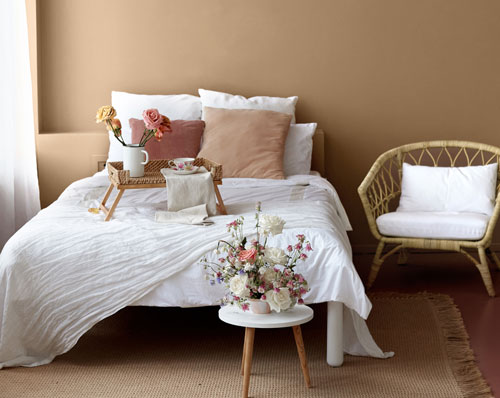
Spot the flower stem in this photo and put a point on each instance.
(146, 136)
(117, 136)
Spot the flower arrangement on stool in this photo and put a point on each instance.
(258, 277)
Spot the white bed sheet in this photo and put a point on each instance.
(67, 269)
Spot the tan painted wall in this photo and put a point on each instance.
(373, 74)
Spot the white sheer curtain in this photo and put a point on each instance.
(19, 193)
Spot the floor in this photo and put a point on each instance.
(454, 275)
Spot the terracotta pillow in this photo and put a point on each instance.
(248, 143)
(182, 142)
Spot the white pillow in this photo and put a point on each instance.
(298, 149)
(215, 99)
(450, 189)
(175, 107)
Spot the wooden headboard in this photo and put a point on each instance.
(318, 155)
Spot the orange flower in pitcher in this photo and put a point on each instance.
(116, 124)
(165, 125)
(158, 135)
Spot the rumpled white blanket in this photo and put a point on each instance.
(67, 269)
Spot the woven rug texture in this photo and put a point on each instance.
(162, 352)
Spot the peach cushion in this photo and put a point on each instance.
(249, 143)
(182, 142)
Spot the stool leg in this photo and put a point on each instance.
(297, 332)
(243, 356)
(249, 337)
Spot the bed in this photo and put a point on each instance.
(67, 269)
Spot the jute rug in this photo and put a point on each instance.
(157, 352)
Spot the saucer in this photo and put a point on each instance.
(192, 171)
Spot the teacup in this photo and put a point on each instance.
(182, 163)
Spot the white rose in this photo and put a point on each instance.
(248, 267)
(279, 301)
(268, 274)
(275, 255)
(237, 284)
(271, 224)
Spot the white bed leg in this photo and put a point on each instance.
(334, 333)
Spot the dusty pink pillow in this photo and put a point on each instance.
(246, 142)
(182, 142)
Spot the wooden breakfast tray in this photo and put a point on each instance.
(153, 178)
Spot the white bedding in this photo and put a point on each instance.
(67, 269)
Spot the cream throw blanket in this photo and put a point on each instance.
(191, 197)
(196, 215)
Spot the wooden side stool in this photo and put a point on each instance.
(292, 318)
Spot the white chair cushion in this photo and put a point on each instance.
(449, 189)
(433, 225)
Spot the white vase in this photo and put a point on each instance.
(133, 159)
(259, 306)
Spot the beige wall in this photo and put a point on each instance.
(373, 74)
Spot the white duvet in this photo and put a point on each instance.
(67, 269)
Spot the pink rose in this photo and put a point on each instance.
(152, 119)
(248, 255)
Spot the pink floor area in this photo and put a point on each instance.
(454, 275)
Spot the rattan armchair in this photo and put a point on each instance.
(381, 189)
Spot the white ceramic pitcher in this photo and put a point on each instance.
(133, 159)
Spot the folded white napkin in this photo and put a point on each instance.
(189, 190)
(196, 215)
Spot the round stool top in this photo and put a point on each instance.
(296, 316)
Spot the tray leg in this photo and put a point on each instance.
(106, 196)
(220, 203)
(113, 206)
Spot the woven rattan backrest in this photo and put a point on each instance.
(385, 180)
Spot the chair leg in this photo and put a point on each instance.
(494, 257)
(377, 262)
(403, 256)
(482, 266)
